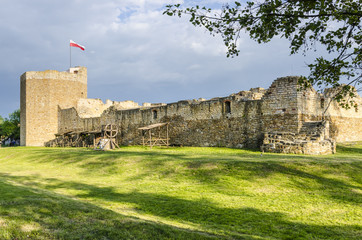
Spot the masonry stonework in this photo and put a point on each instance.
(280, 119)
(41, 94)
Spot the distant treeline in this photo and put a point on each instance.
(10, 127)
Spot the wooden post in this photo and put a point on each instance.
(167, 135)
(143, 138)
(150, 139)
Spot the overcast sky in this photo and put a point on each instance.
(133, 52)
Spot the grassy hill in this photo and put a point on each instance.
(179, 193)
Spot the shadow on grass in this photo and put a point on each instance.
(352, 149)
(67, 217)
(303, 180)
(30, 213)
(208, 168)
(91, 160)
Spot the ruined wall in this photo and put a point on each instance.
(345, 124)
(87, 108)
(280, 106)
(40, 95)
(313, 138)
(232, 121)
(281, 113)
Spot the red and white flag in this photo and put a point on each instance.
(74, 44)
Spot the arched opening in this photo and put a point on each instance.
(227, 107)
(322, 103)
(154, 113)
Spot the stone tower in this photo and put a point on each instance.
(41, 93)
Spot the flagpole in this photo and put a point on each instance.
(73, 44)
(70, 56)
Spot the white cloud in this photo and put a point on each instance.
(132, 51)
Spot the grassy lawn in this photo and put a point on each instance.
(179, 193)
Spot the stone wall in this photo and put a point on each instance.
(252, 119)
(88, 108)
(275, 119)
(345, 124)
(41, 93)
(313, 138)
(280, 106)
(192, 123)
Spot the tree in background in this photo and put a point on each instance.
(10, 127)
(334, 24)
(1, 132)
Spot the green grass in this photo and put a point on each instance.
(179, 193)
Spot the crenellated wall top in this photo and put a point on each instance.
(78, 74)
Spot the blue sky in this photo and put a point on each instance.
(133, 52)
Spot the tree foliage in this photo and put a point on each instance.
(10, 127)
(307, 24)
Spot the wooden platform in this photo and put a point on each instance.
(159, 139)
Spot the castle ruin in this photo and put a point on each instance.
(42, 94)
(278, 119)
